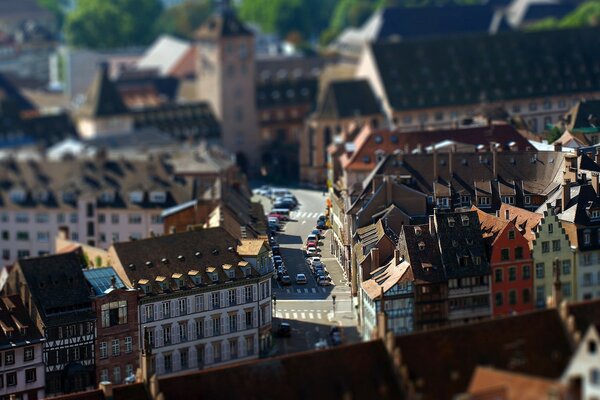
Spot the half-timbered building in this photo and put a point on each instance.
(55, 292)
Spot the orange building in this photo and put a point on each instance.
(511, 264)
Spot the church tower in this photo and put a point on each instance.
(225, 74)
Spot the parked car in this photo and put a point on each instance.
(335, 335)
(286, 280)
(301, 279)
(312, 237)
(284, 330)
(311, 251)
(321, 225)
(321, 344)
(276, 249)
(314, 261)
(280, 217)
(317, 233)
(312, 243)
(322, 281)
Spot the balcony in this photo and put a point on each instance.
(456, 292)
(470, 312)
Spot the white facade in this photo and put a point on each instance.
(585, 365)
(31, 232)
(208, 327)
(22, 372)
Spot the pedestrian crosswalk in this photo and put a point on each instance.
(307, 290)
(313, 315)
(304, 215)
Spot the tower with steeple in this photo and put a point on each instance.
(225, 69)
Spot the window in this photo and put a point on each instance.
(249, 318)
(592, 347)
(540, 295)
(103, 350)
(233, 322)
(249, 345)
(9, 357)
(512, 297)
(518, 253)
(149, 312)
(183, 331)
(200, 303)
(216, 325)
(498, 299)
(556, 245)
(545, 247)
(511, 234)
(217, 352)
(166, 308)
(216, 302)
(532, 106)
(135, 219)
(233, 348)
(594, 376)
(182, 306)
(504, 254)
(128, 344)
(42, 218)
(116, 349)
(539, 271)
(168, 362)
(114, 218)
(248, 293)
(498, 275)
(231, 297)
(167, 334)
(566, 289)
(22, 218)
(156, 219)
(526, 296)
(183, 358)
(76, 354)
(114, 313)
(526, 272)
(23, 235)
(199, 328)
(527, 199)
(101, 218)
(104, 375)
(566, 267)
(11, 379)
(73, 218)
(512, 274)
(28, 353)
(587, 237)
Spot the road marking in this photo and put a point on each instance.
(305, 290)
(319, 316)
(287, 315)
(278, 314)
(311, 315)
(288, 291)
(313, 290)
(294, 315)
(302, 316)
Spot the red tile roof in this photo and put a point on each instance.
(510, 386)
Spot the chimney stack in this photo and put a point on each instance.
(507, 214)
(566, 195)
(396, 256)
(431, 224)
(557, 146)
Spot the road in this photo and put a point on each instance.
(309, 308)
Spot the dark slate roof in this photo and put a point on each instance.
(179, 253)
(475, 68)
(287, 92)
(426, 264)
(14, 316)
(583, 115)
(223, 24)
(102, 98)
(461, 235)
(10, 93)
(57, 283)
(430, 21)
(356, 371)
(347, 99)
(164, 86)
(534, 343)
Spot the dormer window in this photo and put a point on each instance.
(465, 220)
(17, 195)
(145, 285)
(527, 199)
(68, 196)
(108, 196)
(483, 201)
(595, 214)
(178, 280)
(163, 282)
(443, 202)
(212, 274)
(508, 199)
(136, 196)
(421, 246)
(158, 197)
(195, 277)
(43, 196)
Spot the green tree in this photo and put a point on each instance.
(586, 14)
(57, 7)
(183, 19)
(101, 24)
(347, 13)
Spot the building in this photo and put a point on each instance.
(66, 320)
(344, 105)
(417, 89)
(201, 303)
(117, 344)
(94, 200)
(225, 70)
(584, 367)
(511, 264)
(170, 56)
(22, 372)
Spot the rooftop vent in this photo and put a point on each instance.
(180, 257)
(131, 267)
(198, 254)
(215, 252)
(164, 260)
(148, 263)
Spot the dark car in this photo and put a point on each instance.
(284, 330)
(286, 280)
(276, 249)
(335, 335)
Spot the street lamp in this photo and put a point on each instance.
(274, 304)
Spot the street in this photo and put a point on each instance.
(309, 308)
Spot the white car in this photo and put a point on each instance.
(312, 251)
(314, 261)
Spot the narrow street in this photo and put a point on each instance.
(309, 308)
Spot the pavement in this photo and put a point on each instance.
(309, 308)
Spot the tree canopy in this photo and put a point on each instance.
(183, 19)
(101, 24)
(586, 14)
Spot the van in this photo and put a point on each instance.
(282, 211)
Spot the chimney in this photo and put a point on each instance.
(381, 318)
(107, 389)
(374, 258)
(556, 285)
(431, 224)
(507, 214)
(557, 146)
(494, 160)
(566, 195)
(596, 183)
(397, 256)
